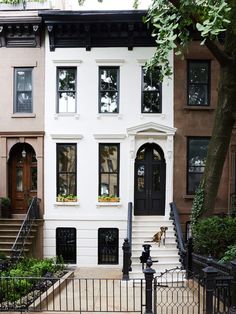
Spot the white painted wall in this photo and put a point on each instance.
(87, 128)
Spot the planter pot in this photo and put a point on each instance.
(6, 212)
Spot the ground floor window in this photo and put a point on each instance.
(197, 153)
(108, 245)
(66, 244)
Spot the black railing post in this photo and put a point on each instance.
(232, 309)
(126, 259)
(149, 273)
(210, 277)
(189, 258)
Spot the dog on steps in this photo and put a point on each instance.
(159, 235)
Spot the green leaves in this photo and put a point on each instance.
(173, 26)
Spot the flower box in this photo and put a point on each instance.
(112, 199)
(66, 198)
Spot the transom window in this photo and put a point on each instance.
(109, 169)
(23, 102)
(197, 153)
(108, 245)
(66, 169)
(66, 90)
(151, 91)
(108, 89)
(198, 83)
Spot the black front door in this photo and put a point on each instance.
(150, 174)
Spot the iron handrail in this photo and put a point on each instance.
(174, 215)
(129, 224)
(22, 236)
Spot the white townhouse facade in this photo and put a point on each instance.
(108, 133)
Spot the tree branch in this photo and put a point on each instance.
(218, 53)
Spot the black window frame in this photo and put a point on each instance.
(100, 91)
(66, 244)
(208, 84)
(100, 251)
(190, 138)
(58, 91)
(15, 109)
(108, 173)
(57, 166)
(158, 90)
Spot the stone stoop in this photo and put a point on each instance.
(9, 228)
(144, 227)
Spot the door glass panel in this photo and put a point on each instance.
(141, 154)
(156, 177)
(156, 155)
(19, 179)
(140, 178)
(34, 159)
(33, 181)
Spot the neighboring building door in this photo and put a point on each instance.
(22, 177)
(150, 178)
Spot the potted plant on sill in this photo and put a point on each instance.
(5, 204)
(67, 198)
(108, 198)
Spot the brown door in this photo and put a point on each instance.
(150, 177)
(22, 177)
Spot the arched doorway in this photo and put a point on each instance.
(150, 178)
(22, 170)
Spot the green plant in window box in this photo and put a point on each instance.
(67, 198)
(108, 198)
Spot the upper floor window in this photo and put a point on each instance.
(66, 169)
(151, 91)
(197, 153)
(198, 83)
(23, 102)
(108, 89)
(109, 169)
(66, 90)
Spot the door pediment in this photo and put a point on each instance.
(151, 129)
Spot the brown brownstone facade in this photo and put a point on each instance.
(197, 121)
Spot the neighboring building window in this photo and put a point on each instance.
(197, 153)
(151, 91)
(23, 101)
(66, 169)
(109, 169)
(66, 245)
(66, 90)
(198, 83)
(108, 89)
(108, 245)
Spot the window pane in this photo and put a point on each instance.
(198, 83)
(108, 169)
(108, 89)
(197, 153)
(66, 102)
(109, 101)
(156, 177)
(19, 179)
(198, 72)
(108, 240)
(66, 244)
(66, 79)
(23, 90)
(141, 178)
(151, 91)
(141, 154)
(66, 169)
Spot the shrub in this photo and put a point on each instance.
(213, 236)
(230, 254)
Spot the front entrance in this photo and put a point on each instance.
(150, 177)
(22, 177)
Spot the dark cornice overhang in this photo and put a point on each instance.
(87, 29)
(20, 31)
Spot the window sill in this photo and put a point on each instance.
(23, 115)
(67, 204)
(62, 115)
(108, 204)
(189, 197)
(207, 108)
(144, 115)
(117, 115)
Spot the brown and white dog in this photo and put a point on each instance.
(160, 235)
